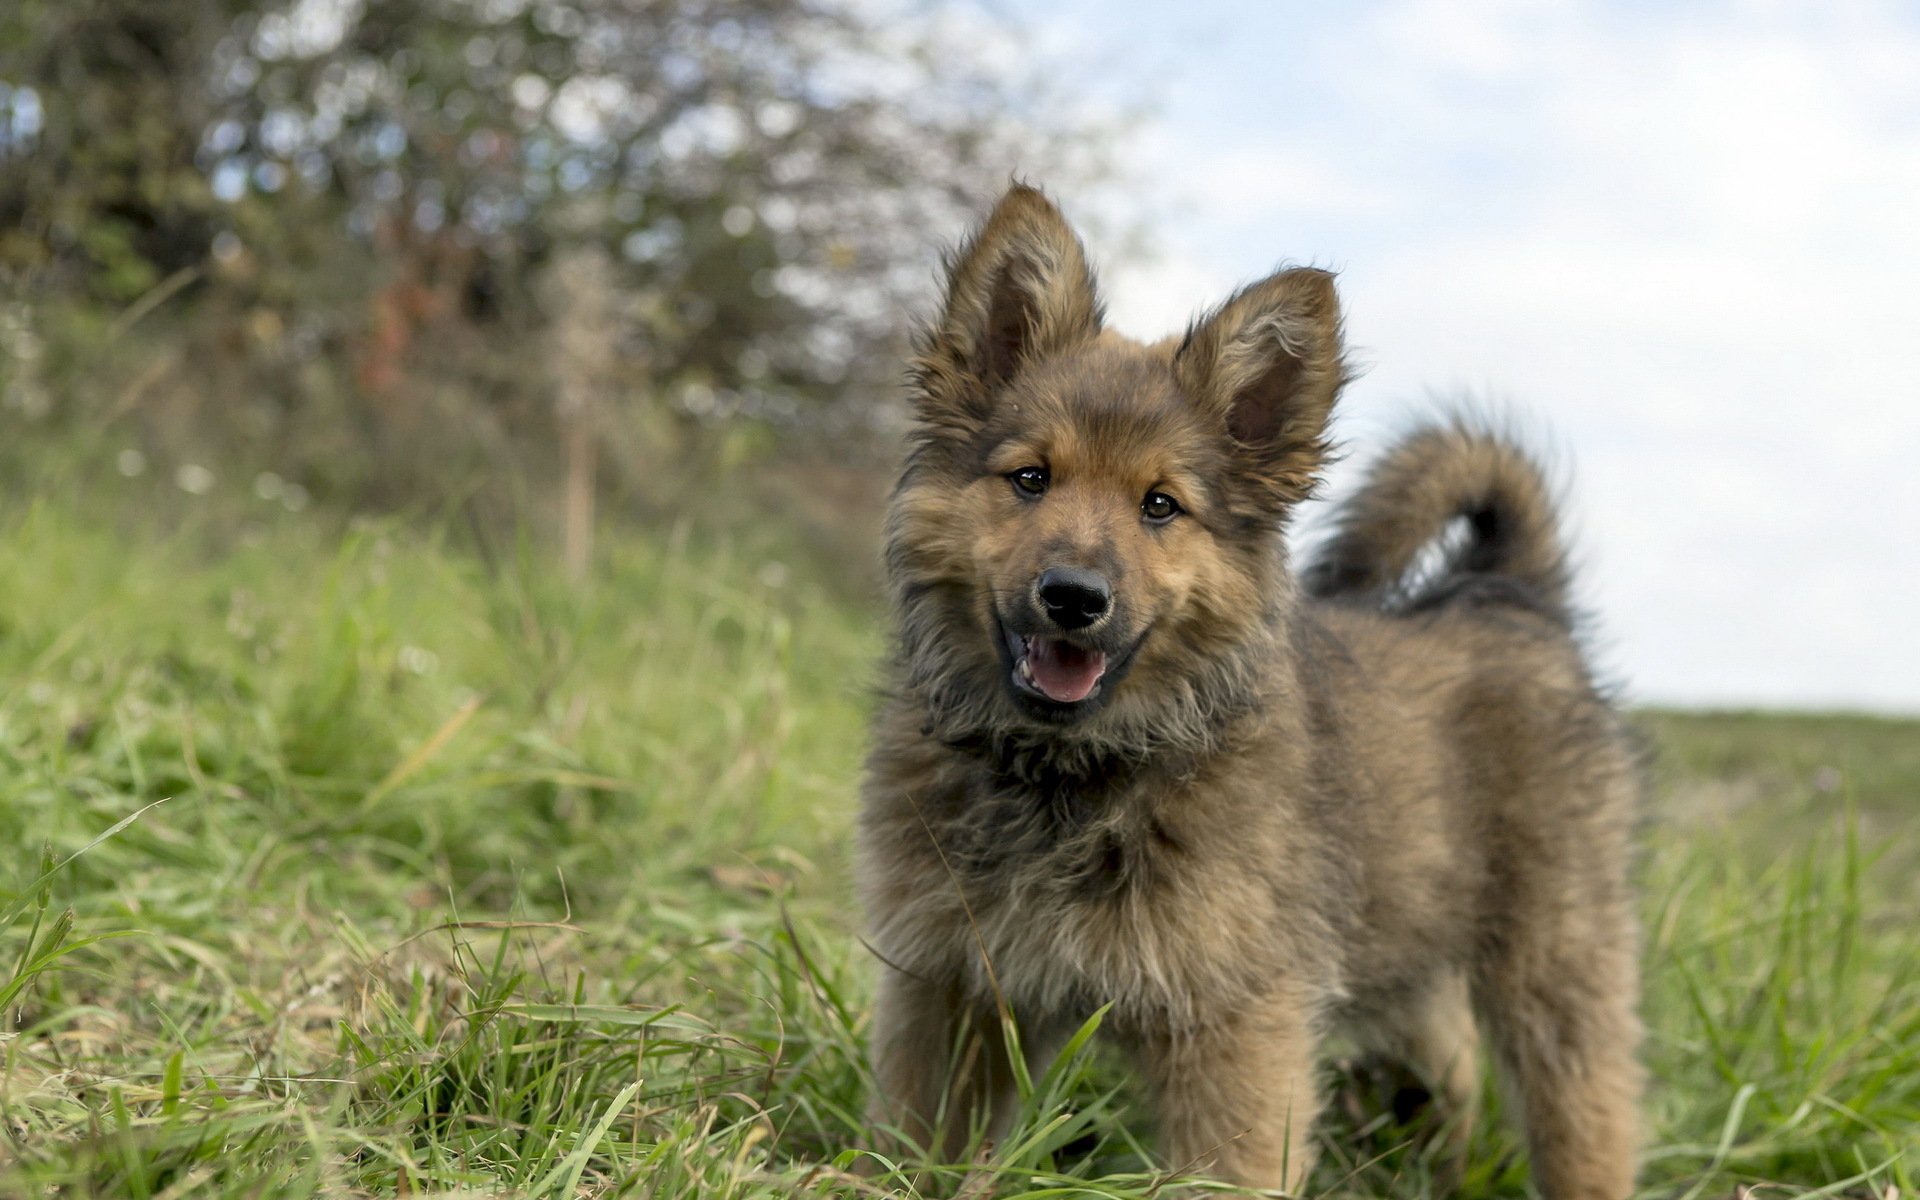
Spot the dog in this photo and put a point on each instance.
(1128, 756)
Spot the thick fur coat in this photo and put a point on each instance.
(1130, 756)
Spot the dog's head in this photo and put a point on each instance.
(1086, 535)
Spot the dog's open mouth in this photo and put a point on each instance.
(1059, 670)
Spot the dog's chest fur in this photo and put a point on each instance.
(1082, 890)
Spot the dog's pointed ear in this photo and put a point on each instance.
(1018, 290)
(1267, 365)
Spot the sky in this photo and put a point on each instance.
(1677, 244)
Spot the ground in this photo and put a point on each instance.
(371, 857)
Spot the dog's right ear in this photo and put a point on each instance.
(1018, 290)
(1266, 365)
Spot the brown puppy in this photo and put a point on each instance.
(1129, 757)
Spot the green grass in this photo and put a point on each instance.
(347, 860)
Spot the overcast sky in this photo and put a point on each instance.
(1681, 241)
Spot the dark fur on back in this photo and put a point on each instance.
(1385, 798)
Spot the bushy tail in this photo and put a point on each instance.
(1397, 541)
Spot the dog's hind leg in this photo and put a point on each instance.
(1559, 991)
(1436, 1037)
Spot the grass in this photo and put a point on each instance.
(350, 860)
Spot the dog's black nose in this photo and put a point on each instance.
(1074, 598)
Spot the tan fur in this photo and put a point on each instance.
(1388, 806)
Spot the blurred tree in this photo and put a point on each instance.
(381, 182)
(100, 116)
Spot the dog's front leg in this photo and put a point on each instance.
(940, 1066)
(1236, 1094)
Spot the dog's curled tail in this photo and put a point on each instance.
(1454, 511)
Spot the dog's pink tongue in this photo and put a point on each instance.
(1064, 671)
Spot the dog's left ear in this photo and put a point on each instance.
(1019, 290)
(1267, 365)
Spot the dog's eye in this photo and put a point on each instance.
(1030, 481)
(1159, 508)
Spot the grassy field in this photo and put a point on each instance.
(354, 859)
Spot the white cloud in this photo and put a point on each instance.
(1260, 181)
(1160, 299)
(1682, 237)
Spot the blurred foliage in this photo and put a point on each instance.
(348, 238)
